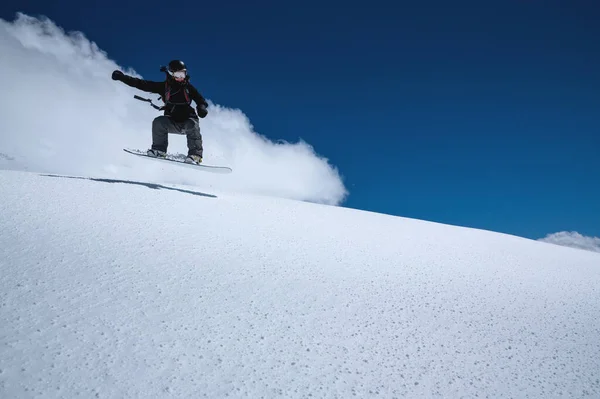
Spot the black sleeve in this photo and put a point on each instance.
(144, 85)
(197, 97)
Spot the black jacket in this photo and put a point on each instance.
(176, 96)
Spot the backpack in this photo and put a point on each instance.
(167, 96)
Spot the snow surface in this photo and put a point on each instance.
(120, 277)
(116, 289)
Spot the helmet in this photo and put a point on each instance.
(176, 65)
(177, 70)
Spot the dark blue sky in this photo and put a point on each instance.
(469, 113)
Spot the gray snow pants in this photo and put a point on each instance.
(163, 125)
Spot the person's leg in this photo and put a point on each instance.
(161, 126)
(194, 138)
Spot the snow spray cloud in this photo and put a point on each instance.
(62, 113)
(573, 239)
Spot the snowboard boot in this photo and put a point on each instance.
(156, 153)
(195, 159)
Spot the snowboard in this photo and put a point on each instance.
(178, 159)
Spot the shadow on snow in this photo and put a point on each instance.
(138, 183)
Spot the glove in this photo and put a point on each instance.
(117, 75)
(202, 111)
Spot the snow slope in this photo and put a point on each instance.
(117, 289)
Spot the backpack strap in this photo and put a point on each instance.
(168, 93)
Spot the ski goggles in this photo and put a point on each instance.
(178, 74)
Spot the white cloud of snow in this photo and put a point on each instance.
(60, 112)
(573, 239)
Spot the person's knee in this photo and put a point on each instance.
(193, 131)
(160, 122)
(194, 134)
(192, 124)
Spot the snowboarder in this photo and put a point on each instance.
(179, 116)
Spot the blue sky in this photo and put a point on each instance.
(457, 112)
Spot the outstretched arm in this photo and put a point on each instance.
(201, 103)
(144, 85)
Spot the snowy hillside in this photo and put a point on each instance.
(119, 289)
(127, 278)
